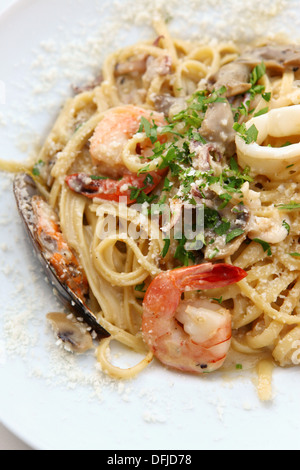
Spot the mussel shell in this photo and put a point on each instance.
(24, 189)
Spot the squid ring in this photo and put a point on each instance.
(277, 163)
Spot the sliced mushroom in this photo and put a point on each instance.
(73, 334)
(276, 58)
(235, 77)
(217, 127)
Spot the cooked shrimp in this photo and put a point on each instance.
(189, 335)
(113, 190)
(113, 132)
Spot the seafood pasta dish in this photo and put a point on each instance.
(166, 202)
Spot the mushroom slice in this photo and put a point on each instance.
(217, 127)
(276, 58)
(73, 334)
(235, 77)
(277, 163)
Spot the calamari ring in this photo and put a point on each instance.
(278, 163)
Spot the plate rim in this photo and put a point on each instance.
(13, 9)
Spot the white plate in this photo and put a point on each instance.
(55, 401)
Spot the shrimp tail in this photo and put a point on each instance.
(209, 276)
(200, 277)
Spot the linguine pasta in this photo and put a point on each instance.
(242, 167)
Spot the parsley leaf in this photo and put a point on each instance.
(182, 254)
(267, 97)
(150, 130)
(265, 245)
(140, 288)
(286, 226)
(289, 207)
(166, 247)
(37, 168)
(234, 165)
(96, 178)
(226, 198)
(220, 300)
(257, 73)
(168, 185)
(223, 228)
(248, 135)
(211, 217)
(215, 252)
(261, 112)
(234, 234)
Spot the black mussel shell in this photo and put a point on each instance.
(24, 189)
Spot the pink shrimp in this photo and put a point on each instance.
(189, 335)
(114, 190)
(112, 134)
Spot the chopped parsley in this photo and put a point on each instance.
(265, 245)
(289, 207)
(95, 177)
(37, 168)
(234, 234)
(182, 255)
(149, 129)
(220, 300)
(178, 153)
(168, 185)
(223, 228)
(139, 195)
(286, 226)
(248, 135)
(140, 288)
(267, 97)
(166, 247)
(198, 104)
(214, 253)
(257, 73)
(245, 108)
(211, 218)
(226, 198)
(262, 112)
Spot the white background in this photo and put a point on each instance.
(7, 440)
